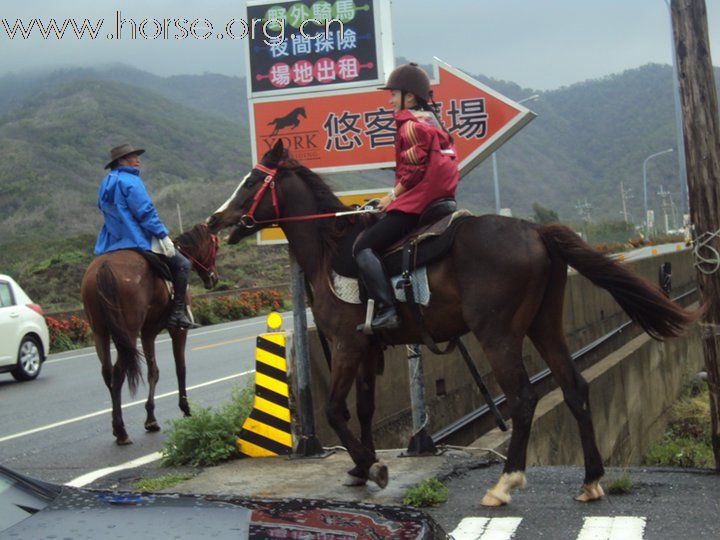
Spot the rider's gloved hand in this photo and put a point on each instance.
(166, 247)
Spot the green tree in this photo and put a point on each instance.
(544, 215)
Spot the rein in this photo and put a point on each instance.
(248, 220)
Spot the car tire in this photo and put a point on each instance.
(29, 360)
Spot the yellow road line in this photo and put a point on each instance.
(220, 344)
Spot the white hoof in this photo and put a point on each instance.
(378, 473)
(499, 494)
(352, 481)
(591, 492)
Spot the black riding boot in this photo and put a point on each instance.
(178, 318)
(379, 289)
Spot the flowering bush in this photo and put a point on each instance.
(238, 306)
(68, 334)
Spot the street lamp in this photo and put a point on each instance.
(645, 204)
(496, 181)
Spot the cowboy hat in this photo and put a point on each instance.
(120, 152)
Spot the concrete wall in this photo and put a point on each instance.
(450, 393)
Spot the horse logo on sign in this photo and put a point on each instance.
(290, 119)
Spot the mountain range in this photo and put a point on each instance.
(56, 129)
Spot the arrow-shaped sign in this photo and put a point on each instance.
(354, 130)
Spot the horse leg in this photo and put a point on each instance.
(365, 400)
(102, 348)
(118, 378)
(505, 358)
(153, 375)
(344, 370)
(547, 336)
(179, 338)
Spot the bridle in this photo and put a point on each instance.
(248, 220)
(207, 263)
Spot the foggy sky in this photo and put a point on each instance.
(539, 44)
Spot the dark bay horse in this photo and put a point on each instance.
(503, 279)
(123, 299)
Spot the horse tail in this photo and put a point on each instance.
(128, 354)
(645, 303)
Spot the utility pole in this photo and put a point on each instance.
(665, 205)
(585, 211)
(701, 128)
(625, 195)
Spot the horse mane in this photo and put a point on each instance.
(193, 237)
(330, 230)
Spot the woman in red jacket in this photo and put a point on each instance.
(426, 170)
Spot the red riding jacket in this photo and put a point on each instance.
(426, 162)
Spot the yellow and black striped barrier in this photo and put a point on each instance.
(266, 431)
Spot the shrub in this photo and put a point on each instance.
(622, 485)
(207, 437)
(430, 492)
(68, 334)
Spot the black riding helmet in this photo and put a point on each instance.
(410, 78)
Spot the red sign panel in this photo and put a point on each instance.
(355, 130)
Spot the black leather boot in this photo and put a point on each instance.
(379, 289)
(178, 318)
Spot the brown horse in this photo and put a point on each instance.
(123, 299)
(482, 286)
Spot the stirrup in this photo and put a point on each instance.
(366, 327)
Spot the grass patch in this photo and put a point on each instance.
(430, 492)
(208, 436)
(687, 441)
(622, 485)
(161, 482)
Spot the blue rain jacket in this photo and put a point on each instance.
(131, 219)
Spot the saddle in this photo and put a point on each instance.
(157, 264)
(432, 240)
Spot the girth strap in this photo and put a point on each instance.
(408, 266)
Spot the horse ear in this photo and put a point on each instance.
(278, 149)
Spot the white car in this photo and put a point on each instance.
(24, 336)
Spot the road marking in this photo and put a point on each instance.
(220, 344)
(105, 411)
(612, 528)
(90, 477)
(164, 340)
(480, 528)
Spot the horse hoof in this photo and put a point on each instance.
(152, 427)
(491, 500)
(591, 492)
(378, 473)
(123, 441)
(352, 481)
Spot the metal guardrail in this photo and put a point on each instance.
(539, 377)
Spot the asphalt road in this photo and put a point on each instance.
(664, 504)
(58, 427)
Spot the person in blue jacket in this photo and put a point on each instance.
(132, 222)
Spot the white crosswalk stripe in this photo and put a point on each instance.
(612, 528)
(594, 528)
(479, 528)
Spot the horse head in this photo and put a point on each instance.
(200, 246)
(249, 205)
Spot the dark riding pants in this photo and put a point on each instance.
(388, 230)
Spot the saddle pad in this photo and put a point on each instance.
(348, 289)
